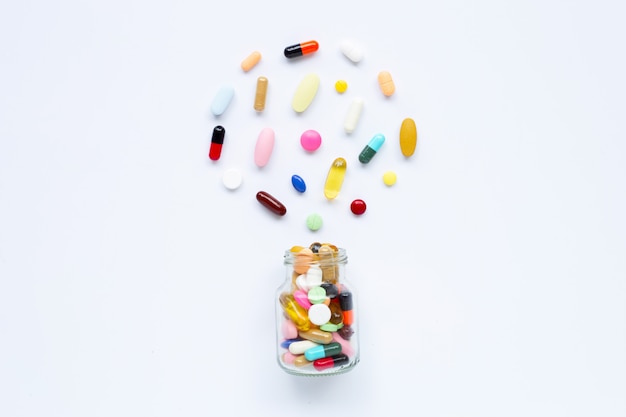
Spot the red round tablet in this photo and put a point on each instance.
(358, 207)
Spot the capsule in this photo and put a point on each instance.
(296, 313)
(331, 362)
(261, 94)
(334, 179)
(217, 140)
(271, 203)
(386, 83)
(300, 49)
(345, 302)
(250, 61)
(371, 148)
(408, 137)
(317, 336)
(322, 351)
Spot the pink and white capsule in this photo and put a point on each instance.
(264, 147)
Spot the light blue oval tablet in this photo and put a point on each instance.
(222, 99)
(298, 183)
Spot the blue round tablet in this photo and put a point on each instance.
(298, 183)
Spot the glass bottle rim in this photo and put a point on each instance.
(340, 257)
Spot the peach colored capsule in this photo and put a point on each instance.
(250, 61)
(386, 83)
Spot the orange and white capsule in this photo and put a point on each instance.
(386, 83)
(250, 61)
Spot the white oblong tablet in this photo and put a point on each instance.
(351, 50)
(264, 147)
(222, 99)
(305, 93)
(353, 115)
(232, 178)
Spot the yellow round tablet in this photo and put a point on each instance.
(341, 86)
(389, 178)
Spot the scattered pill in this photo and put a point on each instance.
(300, 49)
(314, 222)
(319, 314)
(358, 207)
(331, 362)
(217, 141)
(271, 203)
(371, 148)
(264, 147)
(351, 51)
(260, 94)
(322, 351)
(334, 179)
(389, 178)
(232, 179)
(386, 83)
(222, 99)
(298, 183)
(310, 140)
(250, 61)
(305, 92)
(341, 86)
(353, 115)
(408, 137)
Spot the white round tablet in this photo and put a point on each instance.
(232, 179)
(319, 314)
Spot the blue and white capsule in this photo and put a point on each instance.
(371, 148)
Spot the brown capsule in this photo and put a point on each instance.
(261, 94)
(271, 203)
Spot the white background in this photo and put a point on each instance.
(491, 277)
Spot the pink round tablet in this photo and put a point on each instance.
(310, 140)
(302, 298)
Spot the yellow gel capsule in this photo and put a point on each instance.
(261, 93)
(295, 311)
(341, 86)
(250, 61)
(334, 179)
(408, 137)
(386, 83)
(305, 93)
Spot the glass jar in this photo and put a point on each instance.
(316, 321)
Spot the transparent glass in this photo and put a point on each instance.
(316, 313)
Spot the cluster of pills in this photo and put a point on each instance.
(316, 313)
(310, 140)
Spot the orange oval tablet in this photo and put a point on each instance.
(408, 137)
(386, 83)
(250, 61)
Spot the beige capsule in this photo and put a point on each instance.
(250, 61)
(386, 83)
(261, 94)
(317, 336)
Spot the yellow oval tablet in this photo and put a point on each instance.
(334, 180)
(305, 93)
(408, 137)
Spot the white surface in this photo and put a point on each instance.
(133, 283)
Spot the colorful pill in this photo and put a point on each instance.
(353, 115)
(300, 361)
(322, 351)
(298, 183)
(305, 92)
(371, 148)
(302, 298)
(320, 314)
(389, 178)
(271, 203)
(222, 99)
(345, 302)
(264, 147)
(289, 358)
(358, 207)
(250, 61)
(286, 343)
(386, 83)
(336, 314)
(298, 348)
(317, 336)
(331, 362)
(334, 179)
(408, 137)
(302, 263)
(217, 140)
(300, 49)
(351, 50)
(289, 330)
(261, 94)
(311, 140)
(295, 312)
(331, 289)
(331, 327)
(341, 86)
(314, 222)
(317, 295)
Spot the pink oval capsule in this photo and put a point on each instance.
(264, 147)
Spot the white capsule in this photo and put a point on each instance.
(351, 50)
(353, 116)
(298, 348)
